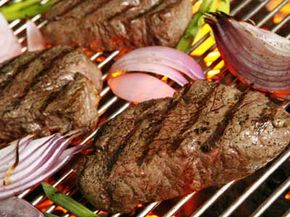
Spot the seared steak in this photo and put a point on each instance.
(117, 24)
(208, 134)
(55, 90)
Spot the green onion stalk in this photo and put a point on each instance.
(50, 215)
(66, 202)
(25, 9)
(198, 20)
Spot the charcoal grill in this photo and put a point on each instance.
(237, 198)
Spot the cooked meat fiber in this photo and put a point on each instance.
(207, 135)
(55, 90)
(117, 24)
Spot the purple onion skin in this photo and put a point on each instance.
(252, 60)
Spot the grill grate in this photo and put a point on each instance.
(111, 106)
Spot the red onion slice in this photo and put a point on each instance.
(38, 159)
(166, 56)
(164, 61)
(35, 160)
(272, 41)
(33, 156)
(9, 45)
(156, 68)
(7, 153)
(139, 87)
(35, 40)
(257, 57)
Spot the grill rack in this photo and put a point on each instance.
(112, 105)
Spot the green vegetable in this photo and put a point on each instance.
(25, 9)
(197, 21)
(67, 202)
(50, 215)
(224, 6)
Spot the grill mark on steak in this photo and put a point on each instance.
(89, 9)
(106, 28)
(194, 118)
(189, 123)
(79, 10)
(120, 23)
(37, 78)
(66, 10)
(146, 128)
(104, 145)
(138, 124)
(53, 96)
(161, 18)
(145, 37)
(163, 5)
(140, 11)
(156, 126)
(218, 133)
(9, 80)
(121, 13)
(267, 115)
(93, 10)
(146, 12)
(96, 24)
(6, 63)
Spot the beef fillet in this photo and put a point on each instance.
(55, 90)
(117, 24)
(208, 134)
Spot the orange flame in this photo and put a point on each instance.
(287, 196)
(152, 215)
(283, 12)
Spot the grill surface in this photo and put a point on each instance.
(194, 204)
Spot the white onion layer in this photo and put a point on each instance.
(38, 159)
(9, 45)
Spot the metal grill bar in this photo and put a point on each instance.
(274, 11)
(212, 200)
(282, 23)
(240, 7)
(3, 2)
(255, 10)
(172, 211)
(147, 209)
(256, 184)
(271, 199)
(287, 214)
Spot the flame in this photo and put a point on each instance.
(203, 47)
(164, 78)
(284, 11)
(60, 209)
(139, 205)
(100, 59)
(44, 205)
(287, 196)
(116, 74)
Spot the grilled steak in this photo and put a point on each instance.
(208, 134)
(117, 24)
(52, 90)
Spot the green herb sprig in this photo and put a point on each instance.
(67, 202)
(25, 9)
